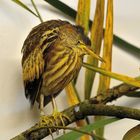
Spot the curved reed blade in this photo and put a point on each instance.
(133, 133)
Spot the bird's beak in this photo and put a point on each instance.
(90, 52)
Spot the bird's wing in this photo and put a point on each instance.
(33, 66)
(33, 61)
(34, 49)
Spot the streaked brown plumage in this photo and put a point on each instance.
(52, 57)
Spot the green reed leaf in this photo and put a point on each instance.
(24, 6)
(38, 14)
(73, 135)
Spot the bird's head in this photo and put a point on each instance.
(74, 38)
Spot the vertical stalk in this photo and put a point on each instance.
(82, 17)
(104, 82)
(107, 49)
(96, 41)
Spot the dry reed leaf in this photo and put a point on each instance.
(107, 49)
(104, 81)
(96, 40)
(82, 17)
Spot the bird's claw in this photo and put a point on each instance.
(52, 121)
(46, 121)
(59, 116)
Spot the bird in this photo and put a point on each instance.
(52, 57)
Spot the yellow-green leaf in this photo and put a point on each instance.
(24, 6)
(125, 79)
(38, 14)
(133, 134)
(96, 40)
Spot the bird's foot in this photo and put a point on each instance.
(44, 122)
(47, 121)
(52, 121)
(59, 116)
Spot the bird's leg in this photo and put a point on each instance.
(42, 113)
(55, 110)
(56, 114)
(44, 120)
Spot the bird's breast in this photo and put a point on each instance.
(62, 66)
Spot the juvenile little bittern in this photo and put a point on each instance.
(52, 57)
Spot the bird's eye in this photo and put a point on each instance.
(79, 42)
